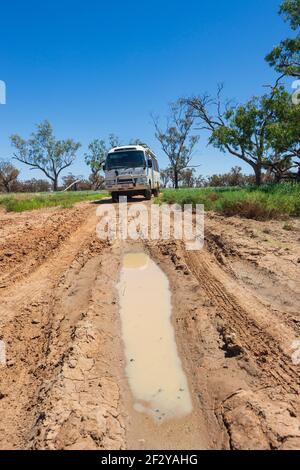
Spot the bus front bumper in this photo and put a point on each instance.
(123, 188)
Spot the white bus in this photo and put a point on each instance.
(130, 171)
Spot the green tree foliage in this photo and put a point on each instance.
(187, 178)
(248, 131)
(45, 153)
(96, 156)
(283, 137)
(285, 57)
(290, 9)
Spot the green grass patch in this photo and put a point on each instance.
(266, 202)
(19, 202)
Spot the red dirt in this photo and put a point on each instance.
(235, 313)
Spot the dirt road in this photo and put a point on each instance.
(235, 313)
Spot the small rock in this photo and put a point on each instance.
(72, 363)
(180, 267)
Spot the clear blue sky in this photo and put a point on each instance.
(97, 67)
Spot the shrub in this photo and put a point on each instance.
(267, 202)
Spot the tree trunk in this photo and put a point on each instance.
(257, 170)
(176, 179)
(55, 184)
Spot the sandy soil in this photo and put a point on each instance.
(235, 313)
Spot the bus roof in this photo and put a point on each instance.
(131, 148)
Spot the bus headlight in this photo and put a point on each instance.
(142, 180)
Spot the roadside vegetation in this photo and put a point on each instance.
(26, 202)
(263, 203)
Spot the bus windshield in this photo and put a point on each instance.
(131, 159)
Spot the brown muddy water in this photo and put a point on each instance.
(153, 367)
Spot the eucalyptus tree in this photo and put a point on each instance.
(42, 151)
(96, 156)
(176, 140)
(250, 131)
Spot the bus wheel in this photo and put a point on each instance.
(156, 192)
(148, 194)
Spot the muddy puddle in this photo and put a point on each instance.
(154, 370)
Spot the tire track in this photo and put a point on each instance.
(258, 343)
